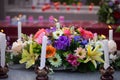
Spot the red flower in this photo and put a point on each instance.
(116, 14)
(86, 34)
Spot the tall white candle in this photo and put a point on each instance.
(2, 49)
(43, 53)
(58, 25)
(19, 29)
(110, 33)
(106, 54)
(95, 37)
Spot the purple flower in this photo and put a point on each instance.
(110, 3)
(80, 40)
(62, 43)
(72, 59)
(52, 29)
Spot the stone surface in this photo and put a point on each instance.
(22, 74)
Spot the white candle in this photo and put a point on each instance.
(106, 54)
(58, 25)
(43, 52)
(19, 29)
(2, 49)
(110, 33)
(95, 37)
(34, 2)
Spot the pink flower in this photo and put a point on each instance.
(86, 34)
(38, 36)
(72, 59)
(80, 52)
(67, 32)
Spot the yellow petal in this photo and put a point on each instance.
(31, 49)
(87, 60)
(23, 60)
(94, 63)
(25, 53)
(99, 59)
(96, 48)
(89, 48)
(30, 63)
(36, 56)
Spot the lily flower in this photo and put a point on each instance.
(94, 55)
(29, 57)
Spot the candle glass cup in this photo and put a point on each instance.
(3, 72)
(106, 74)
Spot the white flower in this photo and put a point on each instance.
(55, 61)
(112, 46)
(113, 57)
(17, 47)
(57, 34)
(100, 44)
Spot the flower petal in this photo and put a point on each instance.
(94, 63)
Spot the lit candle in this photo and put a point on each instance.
(43, 53)
(2, 49)
(19, 29)
(106, 54)
(110, 33)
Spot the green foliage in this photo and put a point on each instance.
(74, 46)
(118, 29)
(106, 14)
(85, 67)
(116, 64)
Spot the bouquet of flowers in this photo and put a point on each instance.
(68, 47)
(109, 11)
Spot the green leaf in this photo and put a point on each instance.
(80, 60)
(118, 29)
(91, 66)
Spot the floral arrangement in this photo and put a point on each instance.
(109, 11)
(66, 47)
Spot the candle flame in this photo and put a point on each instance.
(55, 20)
(2, 30)
(109, 27)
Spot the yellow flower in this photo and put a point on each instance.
(28, 57)
(94, 55)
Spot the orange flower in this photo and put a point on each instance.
(50, 51)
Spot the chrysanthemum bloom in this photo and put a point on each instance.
(50, 51)
(17, 47)
(55, 61)
(38, 36)
(57, 34)
(80, 52)
(72, 59)
(62, 43)
(112, 46)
